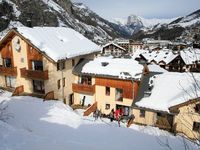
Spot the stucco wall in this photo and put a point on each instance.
(55, 75)
(20, 61)
(184, 121)
(103, 99)
(149, 119)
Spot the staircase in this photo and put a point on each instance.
(130, 122)
(90, 109)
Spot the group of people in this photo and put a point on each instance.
(114, 115)
(117, 115)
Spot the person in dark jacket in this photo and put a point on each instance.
(112, 115)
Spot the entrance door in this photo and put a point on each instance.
(38, 86)
(10, 81)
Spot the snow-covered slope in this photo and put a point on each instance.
(51, 125)
(171, 28)
(135, 23)
(148, 23)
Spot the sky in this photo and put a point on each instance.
(110, 9)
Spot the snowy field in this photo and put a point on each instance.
(37, 125)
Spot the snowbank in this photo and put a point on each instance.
(52, 125)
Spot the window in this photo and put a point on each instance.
(7, 62)
(63, 82)
(58, 84)
(73, 62)
(86, 80)
(60, 65)
(107, 91)
(196, 126)
(107, 106)
(142, 113)
(37, 65)
(10, 81)
(197, 108)
(119, 94)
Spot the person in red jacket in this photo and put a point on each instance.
(117, 116)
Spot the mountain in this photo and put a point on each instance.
(134, 23)
(14, 13)
(172, 30)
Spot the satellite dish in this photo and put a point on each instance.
(16, 44)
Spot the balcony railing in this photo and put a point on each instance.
(34, 74)
(83, 88)
(8, 71)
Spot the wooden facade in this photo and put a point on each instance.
(7, 52)
(83, 88)
(129, 88)
(33, 55)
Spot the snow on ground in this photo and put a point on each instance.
(51, 125)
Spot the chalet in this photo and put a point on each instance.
(187, 118)
(112, 83)
(164, 98)
(39, 60)
(184, 60)
(113, 50)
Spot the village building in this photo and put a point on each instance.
(112, 49)
(111, 83)
(40, 60)
(124, 43)
(164, 101)
(136, 45)
(177, 61)
(155, 44)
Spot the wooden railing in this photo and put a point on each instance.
(8, 71)
(34, 74)
(90, 109)
(83, 88)
(18, 90)
(49, 96)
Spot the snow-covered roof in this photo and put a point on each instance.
(158, 42)
(59, 42)
(170, 89)
(138, 52)
(164, 55)
(190, 55)
(116, 67)
(156, 68)
(112, 43)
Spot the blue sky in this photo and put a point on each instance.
(110, 9)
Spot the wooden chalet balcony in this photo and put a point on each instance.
(34, 74)
(8, 71)
(83, 88)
